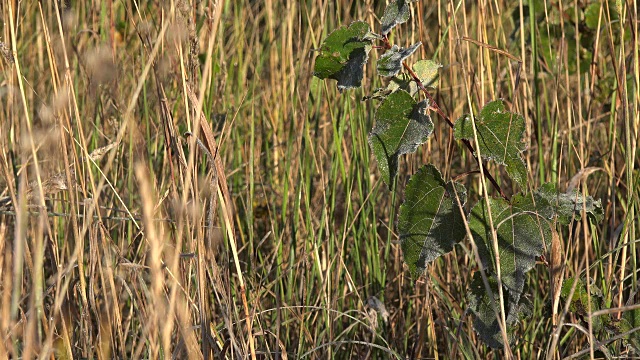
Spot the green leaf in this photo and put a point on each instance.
(567, 206)
(591, 14)
(396, 13)
(401, 126)
(550, 204)
(429, 222)
(390, 63)
(520, 233)
(500, 134)
(402, 81)
(343, 55)
(580, 294)
(484, 308)
(581, 300)
(485, 321)
(631, 320)
(427, 71)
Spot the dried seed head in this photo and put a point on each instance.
(98, 153)
(50, 186)
(46, 114)
(61, 100)
(100, 65)
(45, 140)
(178, 32)
(6, 53)
(145, 28)
(69, 22)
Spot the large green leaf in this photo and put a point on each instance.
(521, 236)
(401, 126)
(484, 308)
(500, 134)
(396, 13)
(523, 227)
(343, 55)
(567, 206)
(390, 63)
(429, 222)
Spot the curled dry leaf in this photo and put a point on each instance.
(377, 305)
(50, 186)
(580, 176)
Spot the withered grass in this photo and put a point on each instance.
(176, 184)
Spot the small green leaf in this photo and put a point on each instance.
(520, 233)
(631, 320)
(500, 134)
(429, 222)
(390, 63)
(581, 300)
(343, 55)
(427, 71)
(591, 15)
(579, 295)
(401, 126)
(396, 13)
(401, 81)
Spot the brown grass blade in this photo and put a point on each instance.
(556, 271)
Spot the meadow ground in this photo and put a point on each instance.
(130, 230)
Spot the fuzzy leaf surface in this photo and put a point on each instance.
(401, 81)
(401, 126)
(429, 221)
(567, 206)
(390, 63)
(500, 134)
(484, 306)
(396, 13)
(521, 236)
(343, 55)
(427, 72)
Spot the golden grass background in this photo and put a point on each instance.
(117, 240)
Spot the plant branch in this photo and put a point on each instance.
(438, 109)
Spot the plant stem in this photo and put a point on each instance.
(438, 109)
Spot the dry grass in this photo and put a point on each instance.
(265, 232)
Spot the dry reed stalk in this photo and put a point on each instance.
(222, 190)
(157, 310)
